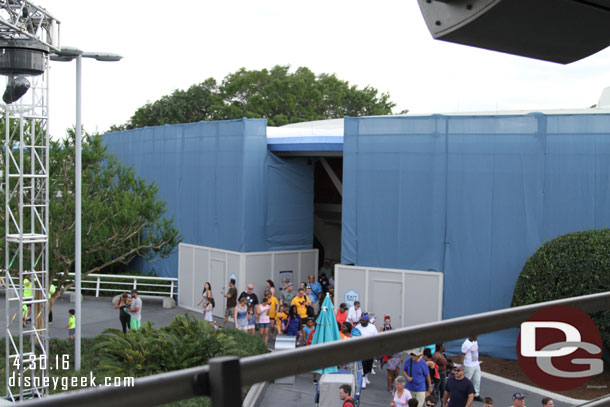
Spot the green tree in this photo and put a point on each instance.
(276, 94)
(122, 216)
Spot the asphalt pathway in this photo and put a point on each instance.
(376, 394)
(99, 314)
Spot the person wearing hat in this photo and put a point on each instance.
(366, 329)
(135, 310)
(459, 391)
(518, 400)
(418, 376)
(313, 299)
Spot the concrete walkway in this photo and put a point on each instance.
(99, 314)
(302, 393)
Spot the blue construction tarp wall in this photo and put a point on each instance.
(471, 196)
(221, 185)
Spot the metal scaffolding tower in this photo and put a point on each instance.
(27, 35)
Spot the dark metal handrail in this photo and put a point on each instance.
(223, 377)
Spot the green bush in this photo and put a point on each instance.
(186, 342)
(568, 266)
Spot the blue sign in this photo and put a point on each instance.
(351, 296)
(356, 332)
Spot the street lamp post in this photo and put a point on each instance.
(69, 54)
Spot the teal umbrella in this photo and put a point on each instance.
(326, 329)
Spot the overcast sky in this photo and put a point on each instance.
(172, 45)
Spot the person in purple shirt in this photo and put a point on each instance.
(418, 376)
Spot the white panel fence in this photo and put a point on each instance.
(200, 264)
(410, 297)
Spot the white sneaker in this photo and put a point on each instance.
(366, 379)
(364, 383)
(373, 371)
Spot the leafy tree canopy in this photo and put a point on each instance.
(276, 94)
(122, 216)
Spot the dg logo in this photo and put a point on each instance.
(560, 348)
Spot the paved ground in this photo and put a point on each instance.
(302, 394)
(99, 314)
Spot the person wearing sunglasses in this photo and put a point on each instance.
(459, 391)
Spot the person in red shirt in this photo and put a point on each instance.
(341, 315)
(345, 391)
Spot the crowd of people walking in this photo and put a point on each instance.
(426, 377)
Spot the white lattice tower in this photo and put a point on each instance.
(26, 202)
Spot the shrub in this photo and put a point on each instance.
(186, 342)
(568, 266)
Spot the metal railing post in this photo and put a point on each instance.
(97, 288)
(225, 381)
(171, 290)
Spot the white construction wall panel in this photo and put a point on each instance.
(185, 264)
(258, 270)
(410, 297)
(198, 264)
(309, 261)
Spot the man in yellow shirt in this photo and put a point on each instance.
(301, 301)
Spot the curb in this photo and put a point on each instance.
(253, 398)
(532, 389)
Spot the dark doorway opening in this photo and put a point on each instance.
(328, 181)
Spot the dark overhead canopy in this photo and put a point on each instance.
(560, 31)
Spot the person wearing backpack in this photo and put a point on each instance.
(345, 391)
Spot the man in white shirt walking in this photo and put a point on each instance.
(354, 313)
(472, 370)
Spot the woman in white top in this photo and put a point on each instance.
(208, 312)
(263, 319)
(401, 395)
